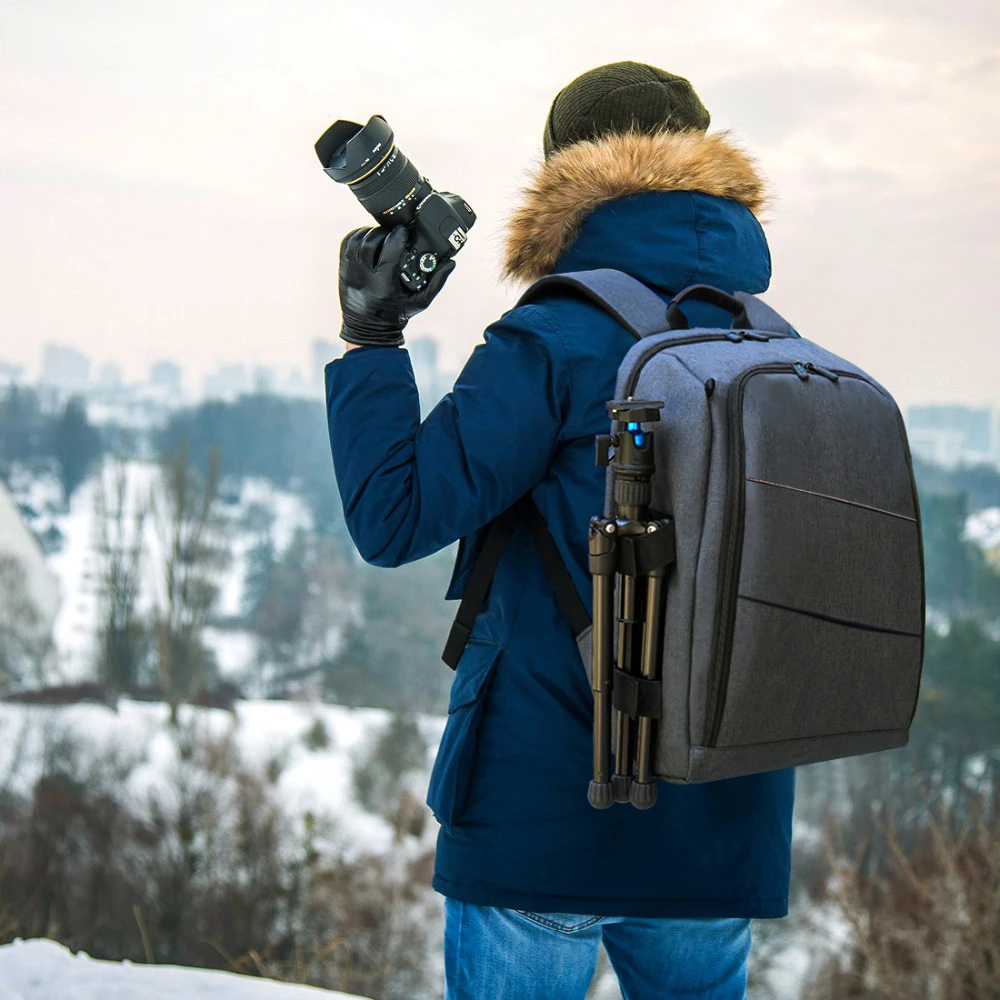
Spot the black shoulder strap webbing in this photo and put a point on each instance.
(555, 569)
(639, 309)
(478, 584)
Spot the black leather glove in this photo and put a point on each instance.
(373, 300)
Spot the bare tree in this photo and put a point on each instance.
(193, 533)
(119, 522)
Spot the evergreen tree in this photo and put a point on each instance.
(391, 658)
(23, 427)
(259, 569)
(75, 443)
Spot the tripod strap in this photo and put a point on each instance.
(476, 589)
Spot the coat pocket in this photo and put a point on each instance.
(449, 782)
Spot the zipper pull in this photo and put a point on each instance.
(800, 370)
(756, 335)
(736, 336)
(825, 372)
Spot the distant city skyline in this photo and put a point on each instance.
(71, 370)
(159, 189)
(946, 434)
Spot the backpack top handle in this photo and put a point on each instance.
(713, 296)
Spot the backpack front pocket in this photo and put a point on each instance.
(822, 590)
(449, 782)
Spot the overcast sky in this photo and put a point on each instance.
(160, 197)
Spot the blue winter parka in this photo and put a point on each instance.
(509, 785)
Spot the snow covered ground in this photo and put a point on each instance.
(44, 970)
(311, 777)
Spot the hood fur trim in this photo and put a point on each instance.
(576, 179)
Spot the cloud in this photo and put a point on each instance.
(979, 70)
(768, 105)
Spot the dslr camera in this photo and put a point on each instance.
(367, 159)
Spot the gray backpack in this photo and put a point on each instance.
(789, 605)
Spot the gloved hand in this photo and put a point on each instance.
(374, 302)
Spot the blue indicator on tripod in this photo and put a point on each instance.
(633, 426)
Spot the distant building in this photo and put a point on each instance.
(264, 379)
(323, 352)
(953, 435)
(167, 376)
(295, 384)
(65, 367)
(423, 356)
(110, 376)
(432, 382)
(227, 382)
(29, 600)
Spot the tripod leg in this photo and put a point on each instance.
(643, 789)
(603, 553)
(629, 622)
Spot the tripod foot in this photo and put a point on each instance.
(600, 794)
(620, 784)
(643, 794)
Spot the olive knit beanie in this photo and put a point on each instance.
(620, 97)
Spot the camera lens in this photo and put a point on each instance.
(367, 160)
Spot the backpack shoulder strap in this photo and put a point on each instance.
(642, 312)
(763, 317)
(639, 309)
(478, 585)
(476, 589)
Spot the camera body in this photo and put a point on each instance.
(367, 159)
(439, 229)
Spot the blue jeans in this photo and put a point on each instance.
(499, 954)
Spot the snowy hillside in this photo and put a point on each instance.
(43, 970)
(75, 562)
(316, 780)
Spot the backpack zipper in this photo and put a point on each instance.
(733, 336)
(732, 533)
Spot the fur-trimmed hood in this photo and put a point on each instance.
(574, 181)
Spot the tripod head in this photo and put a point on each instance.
(629, 452)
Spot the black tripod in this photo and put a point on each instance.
(637, 546)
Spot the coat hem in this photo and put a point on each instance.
(536, 902)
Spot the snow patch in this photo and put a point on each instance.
(43, 970)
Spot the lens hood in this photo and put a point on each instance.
(349, 151)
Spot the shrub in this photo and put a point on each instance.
(208, 870)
